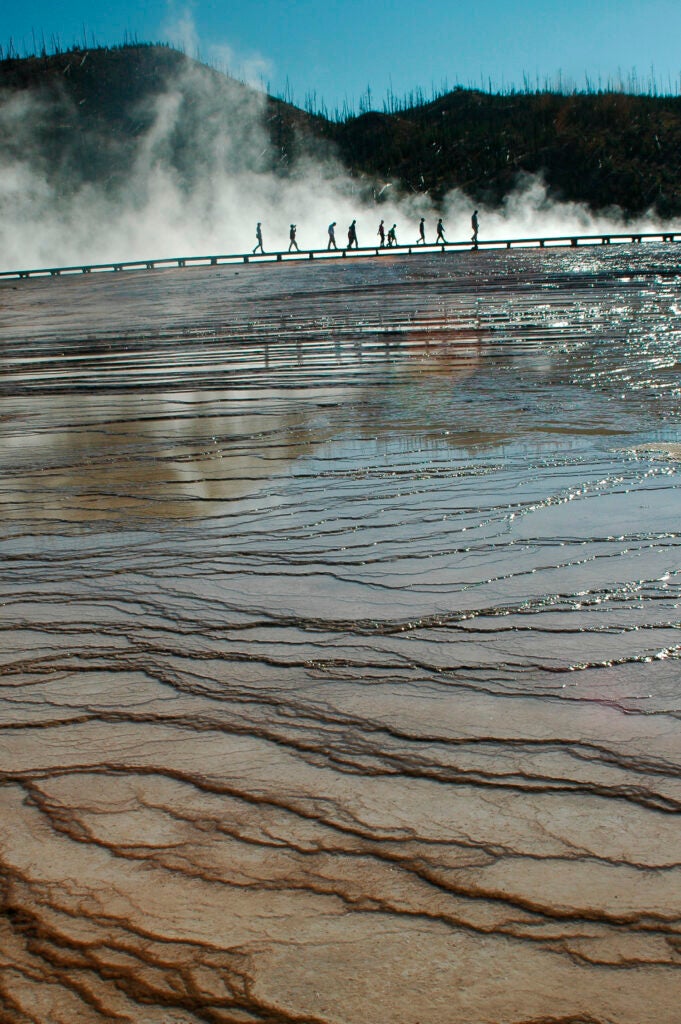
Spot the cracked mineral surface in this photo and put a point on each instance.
(339, 642)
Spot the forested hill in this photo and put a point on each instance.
(599, 149)
(80, 114)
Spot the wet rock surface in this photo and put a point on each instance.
(339, 642)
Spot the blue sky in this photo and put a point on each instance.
(338, 48)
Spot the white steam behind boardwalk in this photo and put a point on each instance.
(211, 201)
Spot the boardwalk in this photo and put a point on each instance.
(556, 241)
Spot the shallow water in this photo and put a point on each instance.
(340, 641)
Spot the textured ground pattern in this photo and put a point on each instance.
(339, 643)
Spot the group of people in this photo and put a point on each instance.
(387, 238)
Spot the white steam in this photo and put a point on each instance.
(179, 28)
(225, 186)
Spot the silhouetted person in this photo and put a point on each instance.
(352, 235)
(474, 225)
(392, 237)
(441, 232)
(292, 239)
(381, 233)
(421, 240)
(332, 236)
(258, 235)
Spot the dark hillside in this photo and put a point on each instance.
(595, 148)
(79, 116)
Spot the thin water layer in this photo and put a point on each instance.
(339, 642)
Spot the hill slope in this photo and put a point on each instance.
(79, 117)
(599, 149)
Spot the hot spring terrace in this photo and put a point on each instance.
(373, 251)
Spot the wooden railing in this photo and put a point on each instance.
(556, 241)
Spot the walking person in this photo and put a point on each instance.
(332, 236)
(292, 239)
(352, 235)
(474, 225)
(421, 240)
(392, 237)
(440, 232)
(381, 233)
(258, 235)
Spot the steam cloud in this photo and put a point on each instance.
(199, 177)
